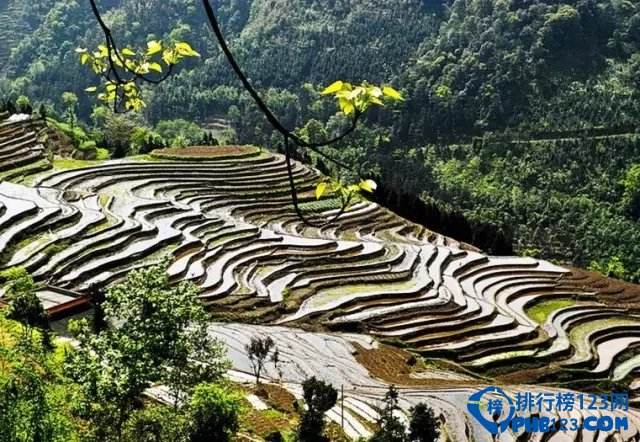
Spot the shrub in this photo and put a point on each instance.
(87, 146)
(613, 267)
(214, 412)
(23, 104)
(102, 154)
(156, 423)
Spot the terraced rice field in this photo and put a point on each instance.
(364, 393)
(21, 154)
(228, 224)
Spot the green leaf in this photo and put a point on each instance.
(347, 106)
(155, 67)
(392, 93)
(355, 93)
(375, 91)
(333, 88)
(103, 51)
(128, 52)
(84, 58)
(153, 47)
(368, 185)
(81, 50)
(91, 89)
(185, 50)
(169, 57)
(321, 188)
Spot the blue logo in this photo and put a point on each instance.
(497, 407)
(536, 412)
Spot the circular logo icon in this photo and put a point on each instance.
(497, 404)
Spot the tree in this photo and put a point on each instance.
(17, 280)
(42, 111)
(631, 196)
(275, 359)
(24, 304)
(27, 308)
(144, 140)
(70, 101)
(320, 397)
(158, 334)
(171, 323)
(179, 132)
(97, 296)
(214, 412)
(391, 429)
(423, 426)
(24, 104)
(258, 350)
(118, 130)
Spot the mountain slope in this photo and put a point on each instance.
(561, 74)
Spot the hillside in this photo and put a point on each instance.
(223, 215)
(551, 87)
(476, 65)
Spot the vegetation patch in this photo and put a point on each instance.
(25, 173)
(277, 397)
(71, 139)
(70, 163)
(542, 310)
(26, 360)
(145, 157)
(206, 152)
(265, 422)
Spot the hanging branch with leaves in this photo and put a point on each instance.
(124, 70)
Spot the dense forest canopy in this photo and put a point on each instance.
(520, 115)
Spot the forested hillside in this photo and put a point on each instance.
(520, 115)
